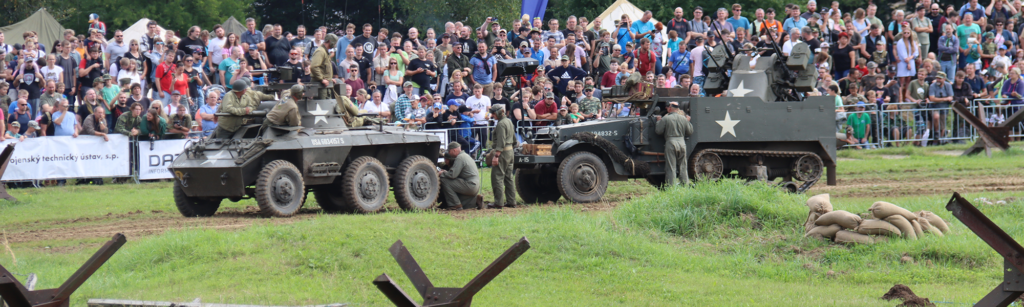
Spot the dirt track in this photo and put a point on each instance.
(140, 223)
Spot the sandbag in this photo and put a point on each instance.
(905, 227)
(935, 220)
(849, 237)
(820, 203)
(843, 218)
(878, 227)
(935, 230)
(882, 210)
(917, 228)
(824, 231)
(811, 217)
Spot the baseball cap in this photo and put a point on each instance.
(33, 124)
(407, 84)
(843, 34)
(549, 95)
(524, 44)
(93, 17)
(1002, 47)
(524, 29)
(565, 58)
(563, 108)
(588, 87)
(860, 104)
(940, 75)
(15, 124)
(175, 93)
(446, 35)
(253, 47)
(438, 105)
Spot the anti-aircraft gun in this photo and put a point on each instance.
(764, 127)
(348, 169)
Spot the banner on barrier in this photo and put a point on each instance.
(154, 160)
(57, 157)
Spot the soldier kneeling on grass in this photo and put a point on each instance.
(460, 181)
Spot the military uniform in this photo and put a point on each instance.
(285, 113)
(675, 127)
(461, 183)
(501, 173)
(126, 122)
(227, 125)
(590, 105)
(320, 64)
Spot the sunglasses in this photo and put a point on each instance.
(736, 10)
(393, 63)
(188, 60)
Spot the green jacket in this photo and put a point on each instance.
(320, 65)
(236, 106)
(463, 167)
(126, 122)
(503, 134)
(674, 125)
(348, 112)
(158, 132)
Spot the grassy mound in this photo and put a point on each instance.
(710, 208)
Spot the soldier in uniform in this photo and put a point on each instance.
(501, 170)
(321, 70)
(239, 103)
(460, 183)
(675, 126)
(286, 113)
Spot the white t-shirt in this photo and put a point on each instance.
(51, 74)
(370, 107)
(483, 103)
(787, 47)
(216, 47)
(136, 77)
(697, 56)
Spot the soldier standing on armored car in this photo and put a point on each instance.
(321, 70)
(675, 126)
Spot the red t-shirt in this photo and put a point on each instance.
(608, 79)
(543, 108)
(180, 84)
(164, 73)
(646, 61)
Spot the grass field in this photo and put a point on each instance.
(716, 244)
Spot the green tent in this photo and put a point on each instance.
(233, 26)
(42, 22)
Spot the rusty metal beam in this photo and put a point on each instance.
(434, 296)
(16, 295)
(5, 158)
(1013, 254)
(997, 136)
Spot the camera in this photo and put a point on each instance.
(177, 123)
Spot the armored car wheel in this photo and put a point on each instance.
(279, 189)
(194, 206)
(808, 168)
(416, 185)
(658, 181)
(537, 188)
(707, 165)
(583, 177)
(329, 197)
(364, 186)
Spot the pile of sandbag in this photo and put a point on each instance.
(887, 220)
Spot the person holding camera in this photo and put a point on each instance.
(181, 124)
(623, 33)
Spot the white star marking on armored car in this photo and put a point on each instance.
(740, 91)
(220, 155)
(728, 125)
(319, 114)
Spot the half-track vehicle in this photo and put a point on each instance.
(348, 169)
(763, 127)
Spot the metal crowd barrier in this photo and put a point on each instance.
(912, 123)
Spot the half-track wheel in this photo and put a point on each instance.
(808, 168)
(194, 206)
(279, 189)
(537, 188)
(364, 185)
(416, 185)
(583, 177)
(706, 165)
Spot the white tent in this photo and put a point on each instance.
(139, 29)
(612, 16)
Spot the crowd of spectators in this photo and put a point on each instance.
(168, 86)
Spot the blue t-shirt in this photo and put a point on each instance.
(228, 66)
(479, 68)
(800, 23)
(640, 26)
(208, 125)
(622, 38)
(66, 127)
(676, 58)
(743, 22)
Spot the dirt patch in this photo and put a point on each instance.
(903, 293)
(951, 153)
(881, 187)
(894, 157)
